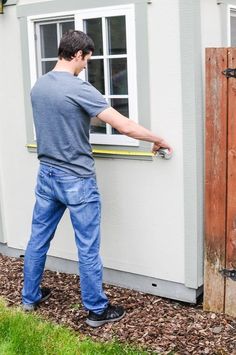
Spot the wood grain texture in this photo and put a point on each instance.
(230, 289)
(215, 178)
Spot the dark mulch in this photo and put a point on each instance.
(157, 324)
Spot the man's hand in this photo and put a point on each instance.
(161, 144)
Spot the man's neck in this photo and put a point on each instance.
(64, 65)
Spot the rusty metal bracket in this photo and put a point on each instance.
(2, 2)
(229, 273)
(229, 72)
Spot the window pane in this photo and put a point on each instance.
(233, 28)
(48, 35)
(118, 76)
(95, 71)
(122, 106)
(97, 126)
(48, 66)
(66, 26)
(93, 28)
(116, 35)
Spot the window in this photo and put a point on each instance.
(47, 36)
(112, 69)
(233, 27)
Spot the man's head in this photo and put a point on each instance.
(74, 51)
(72, 42)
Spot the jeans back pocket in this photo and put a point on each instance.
(70, 190)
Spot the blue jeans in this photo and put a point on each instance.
(57, 190)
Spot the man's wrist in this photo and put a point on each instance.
(159, 141)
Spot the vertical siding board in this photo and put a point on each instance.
(215, 178)
(230, 291)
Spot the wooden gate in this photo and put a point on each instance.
(220, 182)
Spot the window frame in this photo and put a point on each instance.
(79, 16)
(39, 58)
(47, 8)
(128, 12)
(225, 8)
(31, 21)
(230, 8)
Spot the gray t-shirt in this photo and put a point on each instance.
(63, 106)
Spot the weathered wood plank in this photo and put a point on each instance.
(230, 290)
(215, 178)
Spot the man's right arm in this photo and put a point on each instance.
(131, 129)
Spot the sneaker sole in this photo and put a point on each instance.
(32, 307)
(29, 307)
(99, 323)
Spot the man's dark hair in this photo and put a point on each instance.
(72, 42)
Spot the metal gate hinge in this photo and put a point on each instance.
(229, 72)
(229, 273)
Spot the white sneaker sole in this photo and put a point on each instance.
(99, 323)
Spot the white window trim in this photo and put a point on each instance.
(79, 15)
(229, 8)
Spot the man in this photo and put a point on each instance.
(63, 106)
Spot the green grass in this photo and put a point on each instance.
(27, 334)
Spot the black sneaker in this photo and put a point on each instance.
(29, 307)
(111, 314)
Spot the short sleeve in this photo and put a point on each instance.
(91, 100)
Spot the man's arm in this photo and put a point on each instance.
(131, 129)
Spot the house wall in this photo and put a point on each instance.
(211, 24)
(17, 166)
(143, 201)
(143, 223)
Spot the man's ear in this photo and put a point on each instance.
(79, 54)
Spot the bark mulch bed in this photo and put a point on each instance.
(157, 324)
